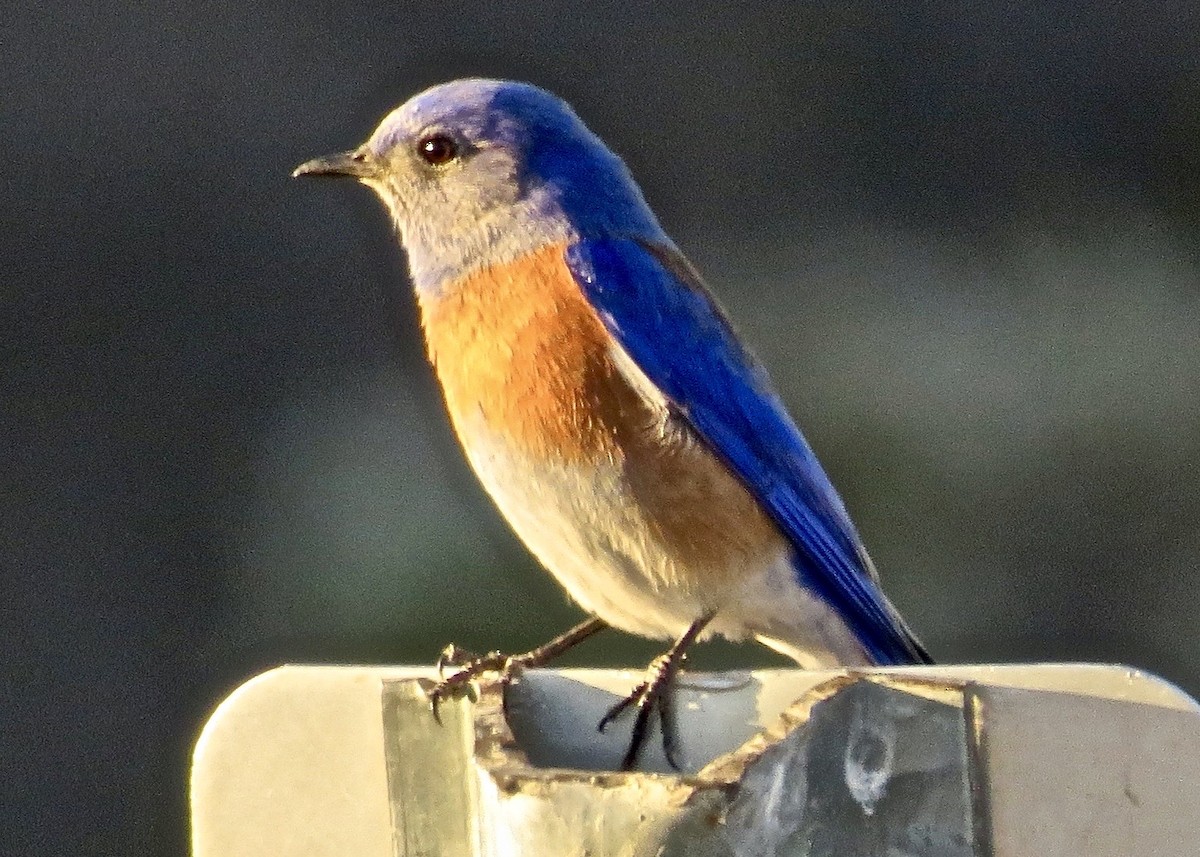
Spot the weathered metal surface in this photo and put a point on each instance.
(1102, 778)
(429, 772)
(855, 767)
(942, 761)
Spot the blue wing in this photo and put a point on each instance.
(654, 305)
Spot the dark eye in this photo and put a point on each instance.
(437, 149)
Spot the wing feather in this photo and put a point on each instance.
(655, 306)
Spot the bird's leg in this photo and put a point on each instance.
(471, 666)
(655, 694)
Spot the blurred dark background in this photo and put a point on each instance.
(963, 237)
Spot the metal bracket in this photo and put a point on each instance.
(944, 761)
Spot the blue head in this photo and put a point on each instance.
(479, 172)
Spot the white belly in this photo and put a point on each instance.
(588, 529)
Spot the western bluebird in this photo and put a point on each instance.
(604, 400)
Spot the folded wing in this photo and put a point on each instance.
(655, 306)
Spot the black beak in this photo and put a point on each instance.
(356, 164)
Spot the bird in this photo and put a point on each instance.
(605, 402)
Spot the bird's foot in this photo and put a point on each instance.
(656, 694)
(471, 666)
(653, 696)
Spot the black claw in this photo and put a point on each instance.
(649, 697)
(619, 709)
(442, 690)
(462, 678)
(637, 738)
(666, 725)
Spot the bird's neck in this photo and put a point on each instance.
(442, 254)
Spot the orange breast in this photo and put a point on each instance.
(519, 346)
